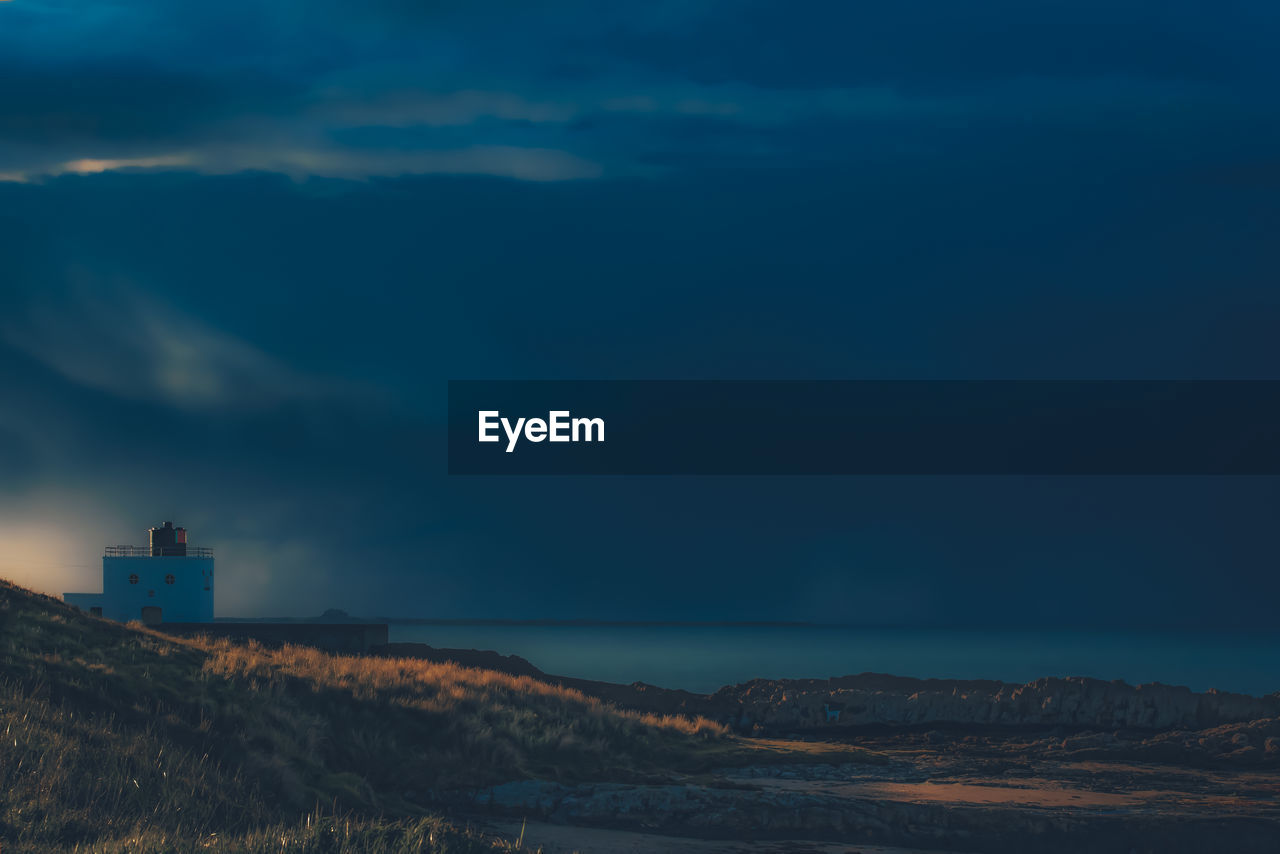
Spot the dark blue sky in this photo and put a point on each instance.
(244, 245)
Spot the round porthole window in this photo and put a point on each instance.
(169, 579)
(133, 579)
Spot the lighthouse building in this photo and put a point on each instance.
(165, 581)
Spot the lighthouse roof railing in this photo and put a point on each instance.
(145, 551)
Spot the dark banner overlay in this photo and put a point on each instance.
(864, 427)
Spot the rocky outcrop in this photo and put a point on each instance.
(1250, 744)
(873, 699)
(878, 699)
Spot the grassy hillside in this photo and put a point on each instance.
(118, 738)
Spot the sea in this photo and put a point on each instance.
(702, 658)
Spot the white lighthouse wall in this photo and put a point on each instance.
(188, 599)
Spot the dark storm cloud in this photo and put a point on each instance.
(246, 339)
(936, 46)
(105, 103)
(397, 88)
(370, 297)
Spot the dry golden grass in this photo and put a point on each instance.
(436, 688)
(118, 738)
(313, 834)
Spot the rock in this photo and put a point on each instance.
(1073, 702)
(762, 706)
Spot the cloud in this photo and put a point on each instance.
(941, 47)
(394, 88)
(91, 166)
(409, 107)
(525, 164)
(612, 132)
(961, 195)
(113, 338)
